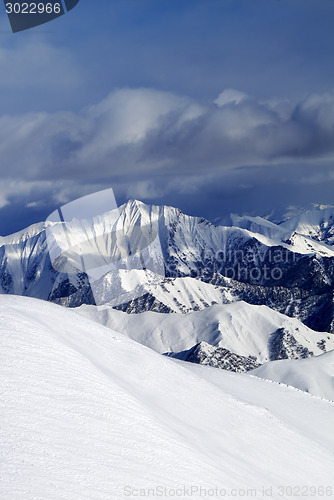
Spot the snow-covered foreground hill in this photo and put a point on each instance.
(89, 413)
(241, 328)
(314, 375)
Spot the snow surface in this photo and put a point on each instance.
(86, 411)
(291, 406)
(21, 236)
(301, 234)
(313, 375)
(317, 224)
(177, 294)
(239, 327)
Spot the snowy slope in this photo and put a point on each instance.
(316, 224)
(165, 295)
(26, 268)
(244, 329)
(86, 412)
(288, 404)
(19, 254)
(305, 233)
(217, 357)
(23, 235)
(313, 375)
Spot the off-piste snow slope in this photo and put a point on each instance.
(87, 413)
(314, 375)
(241, 328)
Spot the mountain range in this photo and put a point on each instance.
(233, 296)
(156, 354)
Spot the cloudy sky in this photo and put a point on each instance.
(214, 106)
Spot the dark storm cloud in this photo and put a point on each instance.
(147, 131)
(276, 190)
(160, 146)
(166, 148)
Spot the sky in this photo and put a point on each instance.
(213, 106)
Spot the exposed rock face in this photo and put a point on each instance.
(218, 357)
(283, 345)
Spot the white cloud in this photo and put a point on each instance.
(3, 200)
(142, 131)
(230, 96)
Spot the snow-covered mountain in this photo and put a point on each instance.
(155, 293)
(258, 262)
(239, 328)
(218, 357)
(306, 233)
(88, 413)
(313, 375)
(316, 224)
(26, 268)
